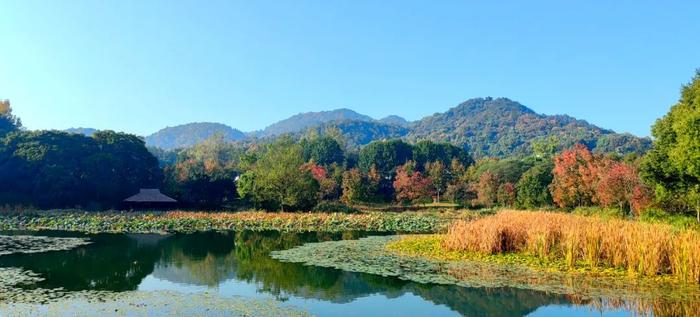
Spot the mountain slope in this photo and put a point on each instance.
(187, 135)
(358, 133)
(502, 127)
(305, 120)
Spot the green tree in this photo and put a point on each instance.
(360, 187)
(673, 165)
(438, 175)
(533, 186)
(277, 179)
(323, 150)
(56, 169)
(427, 151)
(385, 157)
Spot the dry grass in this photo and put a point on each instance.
(640, 248)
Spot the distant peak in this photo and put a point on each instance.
(301, 121)
(492, 104)
(395, 120)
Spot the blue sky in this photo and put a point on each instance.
(138, 66)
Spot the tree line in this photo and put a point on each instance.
(51, 169)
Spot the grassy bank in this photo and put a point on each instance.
(188, 221)
(567, 243)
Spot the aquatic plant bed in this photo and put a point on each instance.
(187, 222)
(37, 244)
(371, 255)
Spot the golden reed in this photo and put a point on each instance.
(640, 248)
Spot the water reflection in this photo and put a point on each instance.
(211, 260)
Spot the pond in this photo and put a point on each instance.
(238, 265)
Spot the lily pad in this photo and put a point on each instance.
(38, 244)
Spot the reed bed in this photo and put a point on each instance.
(640, 248)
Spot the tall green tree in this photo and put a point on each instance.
(439, 177)
(533, 186)
(427, 151)
(323, 151)
(385, 157)
(673, 165)
(277, 180)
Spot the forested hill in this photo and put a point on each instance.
(302, 121)
(357, 133)
(486, 126)
(502, 127)
(187, 135)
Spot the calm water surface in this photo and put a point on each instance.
(238, 264)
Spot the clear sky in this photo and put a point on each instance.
(141, 65)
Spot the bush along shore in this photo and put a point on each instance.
(189, 221)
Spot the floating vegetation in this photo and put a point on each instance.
(370, 255)
(18, 298)
(157, 303)
(38, 244)
(187, 222)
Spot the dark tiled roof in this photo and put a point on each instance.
(147, 195)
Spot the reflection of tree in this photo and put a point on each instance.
(255, 264)
(204, 259)
(112, 262)
(498, 302)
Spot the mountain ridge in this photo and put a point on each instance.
(487, 126)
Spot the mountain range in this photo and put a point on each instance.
(496, 127)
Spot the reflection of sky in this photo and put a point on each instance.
(372, 305)
(407, 304)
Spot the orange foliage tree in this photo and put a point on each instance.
(487, 189)
(410, 185)
(575, 177)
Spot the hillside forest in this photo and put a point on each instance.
(444, 158)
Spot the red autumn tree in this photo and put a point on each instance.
(328, 187)
(641, 198)
(410, 185)
(575, 177)
(620, 186)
